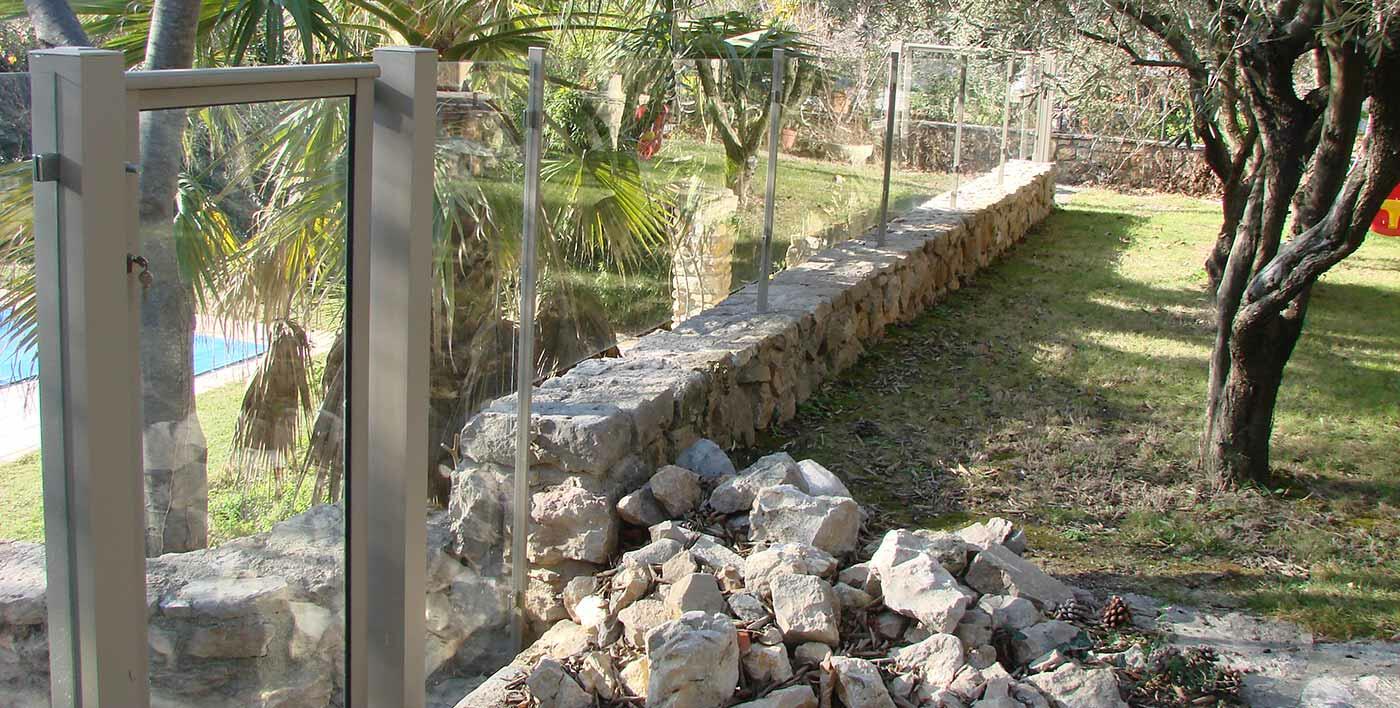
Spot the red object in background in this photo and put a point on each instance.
(650, 142)
(1387, 221)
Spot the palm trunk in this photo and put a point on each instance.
(176, 456)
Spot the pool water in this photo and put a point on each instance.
(18, 363)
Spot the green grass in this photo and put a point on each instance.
(235, 509)
(1064, 387)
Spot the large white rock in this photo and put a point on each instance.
(805, 609)
(819, 481)
(706, 459)
(694, 662)
(630, 584)
(785, 559)
(737, 493)
(858, 683)
(714, 555)
(1072, 686)
(898, 546)
(641, 617)
(654, 553)
(677, 489)
(997, 570)
(920, 588)
(571, 523)
(640, 508)
(784, 514)
(551, 686)
(936, 659)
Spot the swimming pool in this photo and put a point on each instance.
(18, 363)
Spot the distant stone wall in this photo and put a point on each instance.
(1121, 163)
(601, 430)
(1133, 164)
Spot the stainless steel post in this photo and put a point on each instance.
(1005, 121)
(525, 353)
(892, 91)
(89, 380)
(401, 244)
(775, 116)
(1033, 75)
(960, 112)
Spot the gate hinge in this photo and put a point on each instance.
(46, 167)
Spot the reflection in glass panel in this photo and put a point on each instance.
(24, 659)
(243, 221)
(479, 194)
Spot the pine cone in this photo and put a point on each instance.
(1072, 610)
(1116, 613)
(1228, 682)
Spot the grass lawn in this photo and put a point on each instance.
(1063, 388)
(235, 509)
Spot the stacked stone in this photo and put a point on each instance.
(257, 621)
(754, 588)
(600, 430)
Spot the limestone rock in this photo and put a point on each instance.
(975, 628)
(862, 577)
(641, 617)
(747, 607)
(696, 592)
(997, 570)
(738, 492)
(811, 653)
(552, 686)
(571, 523)
(705, 458)
(1010, 612)
(767, 664)
(634, 676)
(818, 481)
(898, 546)
(679, 566)
(495, 690)
(714, 555)
(694, 662)
(640, 508)
(1072, 686)
(920, 588)
(805, 609)
(598, 676)
(574, 592)
(677, 489)
(561, 641)
(631, 583)
(1033, 642)
(851, 598)
(785, 559)
(654, 553)
(858, 683)
(784, 514)
(996, 531)
(890, 624)
(936, 659)
(671, 530)
(799, 696)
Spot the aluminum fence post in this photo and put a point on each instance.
(525, 353)
(1005, 120)
(1043, 137)
(960, 113)
(891, 97)
(1033, 75)
(775, 118)
(401, 244)
(94, 508)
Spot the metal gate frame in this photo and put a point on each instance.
(86, 110)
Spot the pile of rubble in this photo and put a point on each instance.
(760, 589)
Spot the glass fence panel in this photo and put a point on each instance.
(24, 661)
(983, 112)
(479, 179)
(1025, 95)
(243, 225)
(926, 119)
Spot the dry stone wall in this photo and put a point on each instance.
(601, 430)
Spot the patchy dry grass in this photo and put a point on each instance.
(1063, 388)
